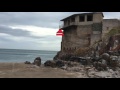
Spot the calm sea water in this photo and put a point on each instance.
(16, 55)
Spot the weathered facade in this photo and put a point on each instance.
(108, 24)
(82, 30)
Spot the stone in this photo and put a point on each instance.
(50, 63)
(95, 59)
(89, 60)
(64, 67)
(110, 52)
(114, 58)
(27, 62)
(105, 56)
(37, 61)
(75, 59)
(104, 64)
(114, 61)
(72, 64)
(100, 65)
(59, 63)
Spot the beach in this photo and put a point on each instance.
(21, 70)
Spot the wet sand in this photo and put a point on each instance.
(21, 70)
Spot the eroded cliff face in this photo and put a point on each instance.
(78, 39)
(112, 44)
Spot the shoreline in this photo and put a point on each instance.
(21, 70)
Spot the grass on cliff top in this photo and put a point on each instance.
(114, 31)
(83, 51)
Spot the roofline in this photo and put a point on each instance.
(81, 14)
(111, 19)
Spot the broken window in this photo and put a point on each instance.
(65, 22)
(73, 19)
(89, 17)
(81, 18)
(68, 22)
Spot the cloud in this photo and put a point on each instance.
(34, 30)
(43, 19)
(29, 37)
(17, 32)
(112, 15)
(40, 19)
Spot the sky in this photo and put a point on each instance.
(35, 30)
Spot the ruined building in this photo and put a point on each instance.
(82, 30)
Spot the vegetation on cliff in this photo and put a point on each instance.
(104, 43)
(114, 31)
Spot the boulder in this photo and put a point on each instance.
(37, 61)
(88, 60)
(95, 64)
(100, 65)
(104, 64)
(27, 62)
(114, 58)
(59, 63)
(95, 59)
(50, 63)
(114, 61)
(75, 59)
(105, 56)
(110, 52)
(72, 64)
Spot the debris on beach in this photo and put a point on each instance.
(37, 61)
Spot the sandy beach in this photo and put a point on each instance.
(21, 70)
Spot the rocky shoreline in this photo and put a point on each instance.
(100, 60)
(105, 66)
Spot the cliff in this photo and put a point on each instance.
(109, 43)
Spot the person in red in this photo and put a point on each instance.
(59, 33)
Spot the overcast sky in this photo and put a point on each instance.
(34, 30)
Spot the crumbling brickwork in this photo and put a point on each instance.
(83, 30)
(108, 24)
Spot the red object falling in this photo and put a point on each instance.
(59, 33)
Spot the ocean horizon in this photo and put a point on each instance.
(22, 55)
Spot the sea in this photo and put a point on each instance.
(18, 55)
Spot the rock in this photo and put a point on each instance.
(95, 64)
(105, 56)
(89, 60)
(64, 67)
(64, 57)
(95, 59)
(114, 57)
(75, 59)
(59, 63)
(27, 62)
(50, 63)
(110, 52)
(104, 64)
(37, 61)
(100, 65)
(72, 64)
(114, 61)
